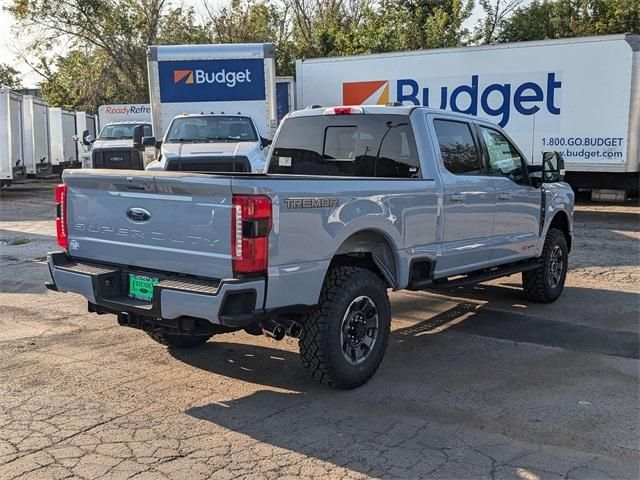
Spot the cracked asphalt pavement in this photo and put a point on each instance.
(476, 383)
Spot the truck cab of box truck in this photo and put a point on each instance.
(114, 147)
(210, 143)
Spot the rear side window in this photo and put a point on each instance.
(346, 145)
(457, 147)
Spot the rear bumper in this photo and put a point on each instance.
(231, 303)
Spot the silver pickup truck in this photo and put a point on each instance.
(355, 201)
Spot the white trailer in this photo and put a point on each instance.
(12, 166)
(579, 96)
(64, 150)
(235, 79)
(36, 141)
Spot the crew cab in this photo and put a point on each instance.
(210, 143)
(355, 201)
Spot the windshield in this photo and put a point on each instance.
(122, 131)
(346, 145)
(212, 129)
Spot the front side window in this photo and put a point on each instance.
(346, 145)
(457, 147)
(212, 129)
(504, 159)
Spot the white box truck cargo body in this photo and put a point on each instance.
(579, 96)
(36, 145)
(11, 137)
(126, 112)
(229, 78)
(62, 127)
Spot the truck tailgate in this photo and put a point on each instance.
(172, 222)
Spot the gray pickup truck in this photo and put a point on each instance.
(355, 201)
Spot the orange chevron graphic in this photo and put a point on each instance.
(181, 75)
(358, 93)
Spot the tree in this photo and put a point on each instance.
(108, 41)
(570, 18)
(9, 77)
(251, 21)
(496, 11)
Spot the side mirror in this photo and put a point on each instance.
(148, 141)
(552, 167)
(265, 142)
(137, 136)
(87, 138)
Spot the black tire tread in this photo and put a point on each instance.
(534, 281)
(312, 341)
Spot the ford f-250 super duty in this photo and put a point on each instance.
(357, 200)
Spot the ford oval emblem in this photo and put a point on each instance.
(138, 214)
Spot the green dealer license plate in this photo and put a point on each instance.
(141, 287)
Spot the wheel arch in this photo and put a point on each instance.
(372, 249)
(560, 221)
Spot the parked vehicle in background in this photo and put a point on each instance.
(115, 146)
(62, 130)
(356, 200)
(210, 143)
(12, 167)
(580, 96)
(229, 80)
(36, 138)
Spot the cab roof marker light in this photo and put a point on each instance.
(343, 111)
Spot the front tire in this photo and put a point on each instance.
(545, 283)
(344, 338)
(179, 341)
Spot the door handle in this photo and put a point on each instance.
(456, 197)
(504, 196)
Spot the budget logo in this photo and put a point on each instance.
(375, 92)
(183, 76)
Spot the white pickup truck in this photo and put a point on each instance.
(211, 143)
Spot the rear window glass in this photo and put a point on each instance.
(346, 145)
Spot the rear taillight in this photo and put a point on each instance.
(250, 227)
(61, 215)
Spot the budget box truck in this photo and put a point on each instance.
(213, 107)
(12, 166)
(36, 138)
(579, 96)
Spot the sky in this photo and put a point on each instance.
(11, 41)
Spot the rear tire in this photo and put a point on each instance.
(344, 338)
(545, 283)
(179, 341)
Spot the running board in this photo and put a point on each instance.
(485, 275)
